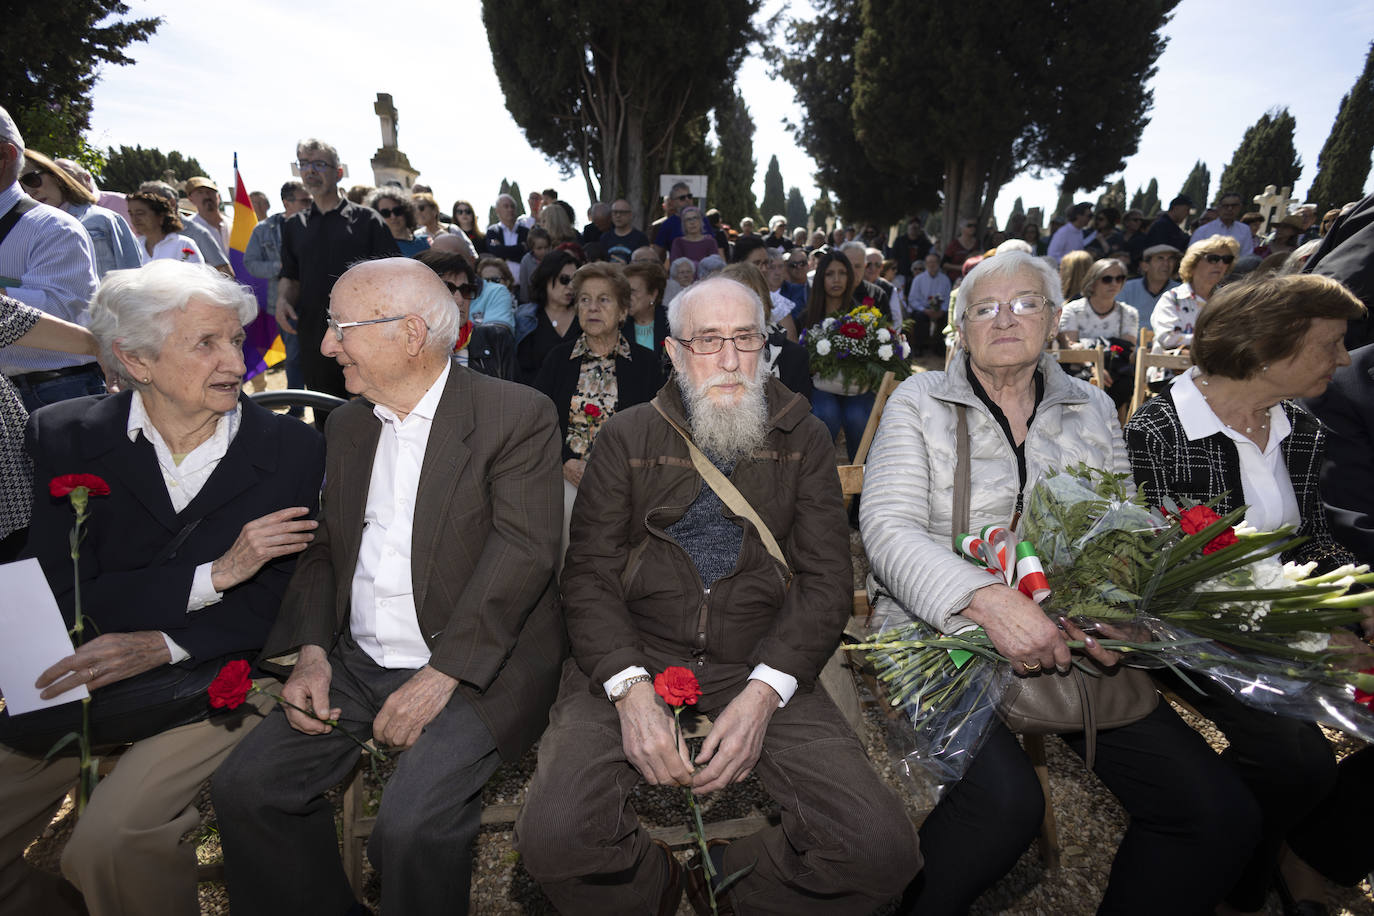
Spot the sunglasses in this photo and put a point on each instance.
(565, 279)
(466, 290)
(389, 212)
(462, 211)
(32, 179)
(621, 212)
(1119, 278)
(1218, 258)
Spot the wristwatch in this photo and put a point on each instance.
(624, 690)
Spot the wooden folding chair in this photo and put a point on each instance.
(1144, 362)
(1090, 356)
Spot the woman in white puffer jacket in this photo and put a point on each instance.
(1192, 823)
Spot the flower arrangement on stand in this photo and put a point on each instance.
(1175, 587)
(856, 349)
(78, 488)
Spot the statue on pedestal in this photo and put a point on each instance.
(389, 164)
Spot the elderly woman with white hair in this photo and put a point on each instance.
(182, 566)
(1021, 417)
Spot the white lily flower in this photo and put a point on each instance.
(1295, 572)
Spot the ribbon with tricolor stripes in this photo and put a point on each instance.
(996, 549)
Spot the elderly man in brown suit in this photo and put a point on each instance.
(425, 613)
(660, 573)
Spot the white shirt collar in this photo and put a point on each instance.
(425, 407)
(139, 421)
(1199, 421)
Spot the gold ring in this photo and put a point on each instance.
(93, 672)
(1031, 669)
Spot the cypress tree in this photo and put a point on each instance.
(1197, 184)
(733, 165)
(796, 208)
(774, 198)
(1343, 164)
(1266, 156)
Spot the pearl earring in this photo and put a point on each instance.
(147, 381)
(1264, 368)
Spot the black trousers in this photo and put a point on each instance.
(281, 854)
(1192, 824)
(1333, 837)
(1287, 764)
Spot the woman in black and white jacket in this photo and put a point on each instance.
(1229, 428)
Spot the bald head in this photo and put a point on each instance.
(396, 286)
(451, 244)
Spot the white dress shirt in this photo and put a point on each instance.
(184, 481)
(924, 287)
(173, 247)
(383, 619)
(1267, 487)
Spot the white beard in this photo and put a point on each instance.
(728, 433)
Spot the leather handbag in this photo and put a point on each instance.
(1050, 702)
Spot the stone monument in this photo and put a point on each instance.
(390, 165)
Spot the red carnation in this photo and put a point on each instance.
(230, 687)
(188, 251)
(591, 410)
(1197, 518)
(677, 686)
(62, 486)
(868, 301)
(853, 329)
(1118, 349)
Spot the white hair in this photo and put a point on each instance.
(1004, 265)
(773, 221)
(311, 143)
(130, 307)
(714, 287)
(1011, 245)
(854, 245)
(776, 253)
(9, 132)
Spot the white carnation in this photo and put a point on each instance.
(823, 346)
(884, 335)
(885, 352)
(828, 323)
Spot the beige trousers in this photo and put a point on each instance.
(125, 854)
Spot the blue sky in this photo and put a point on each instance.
(252, 76)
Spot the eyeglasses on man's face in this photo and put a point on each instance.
(389, 212)
(314, 165)
(338, 327)
(748, 342)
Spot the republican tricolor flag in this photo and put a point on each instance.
(262, 346)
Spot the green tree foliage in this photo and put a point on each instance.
(796, 208)
(1114, 196)
(1196, 185)
(774, 198)
(1147, 201)
(993, 107)
(732, 168)
(1064, 202)
(1343, 164)
(129, 166)
(818, 63)
(1266, 155)
(821, 211)
(50, 55)
(1017, 219)
(607, 88)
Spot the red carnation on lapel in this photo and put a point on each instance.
(64, 485)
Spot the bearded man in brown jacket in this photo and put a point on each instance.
(660, 573)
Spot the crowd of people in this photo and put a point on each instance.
(567, 460)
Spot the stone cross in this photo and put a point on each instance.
(386, 111)
(1273, 206)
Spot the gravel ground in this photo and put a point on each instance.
(1090, 824)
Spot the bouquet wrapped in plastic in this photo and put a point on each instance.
(1175, 587)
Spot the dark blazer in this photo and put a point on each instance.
(487, 528)
(1346, 410)
(273, 462)
(1347, 255)
(496, 242)
(1166, 463)
(637, 380)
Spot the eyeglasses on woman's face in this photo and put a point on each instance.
(1218, 258)
(988, 309)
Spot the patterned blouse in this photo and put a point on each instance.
(596, 394)
(16, 471)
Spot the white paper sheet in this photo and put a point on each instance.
(33, 637)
